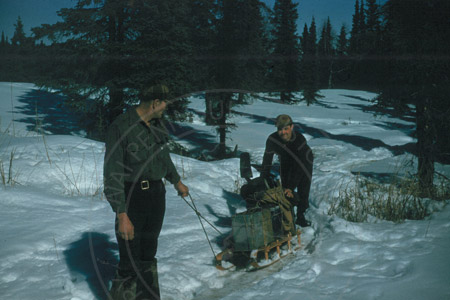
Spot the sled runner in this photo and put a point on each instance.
(263, 234)
(260, 258)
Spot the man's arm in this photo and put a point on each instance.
(173, 176)
(267, 158)
(113, 170)
(114, 181)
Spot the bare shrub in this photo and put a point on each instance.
(396, 201)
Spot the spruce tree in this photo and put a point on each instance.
(107, 50)
(341, 66)
(225, 70)
(19, 38)
(241, 61)
(304, 39)
(362, 19)
(342, 42)
(162, 49)
(417, 72)
(253, 46)
(326, 54)
(285, 56)
(372, 34)
(372, 16)
(355, 31)
(325, 45)
(89, 61)
(310, 65)
(203, 35)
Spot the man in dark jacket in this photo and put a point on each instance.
(296, 164)
(136, 160)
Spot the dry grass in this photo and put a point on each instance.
(396, 201)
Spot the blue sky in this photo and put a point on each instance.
(35, 12)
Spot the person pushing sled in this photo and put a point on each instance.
(265, 233)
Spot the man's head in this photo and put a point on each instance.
(284, 127)
(154, 98)
(157, 91)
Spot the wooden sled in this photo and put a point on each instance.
(259, 258)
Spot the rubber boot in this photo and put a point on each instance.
(301, 220)
(123, 288)
(147, 284)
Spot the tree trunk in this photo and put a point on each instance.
(425, 146)
(330, 77)
(209, 118)
(115, 104)
(225, 99)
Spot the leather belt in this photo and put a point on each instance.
(144, 184)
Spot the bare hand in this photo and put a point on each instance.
(126, 228)
(288, 193)
(182, 190)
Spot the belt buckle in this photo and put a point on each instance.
(145, 185)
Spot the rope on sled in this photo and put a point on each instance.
(200, 217)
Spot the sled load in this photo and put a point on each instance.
(265, 232)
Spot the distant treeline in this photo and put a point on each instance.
(105, 51)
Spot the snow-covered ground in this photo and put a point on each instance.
(56, 230)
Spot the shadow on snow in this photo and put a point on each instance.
(234, 202)
(362, 142)
(47, 112)
(93, 257)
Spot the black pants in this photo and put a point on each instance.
(301, 197)
(146, 210)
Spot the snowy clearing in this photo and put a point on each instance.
(57, 237)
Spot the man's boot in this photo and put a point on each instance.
(147, 284)
(301, 220)
(123, 288)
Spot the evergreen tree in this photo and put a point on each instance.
(203, 33)
(325, 45)
(418, 71)
(342, 42)
(304, 39)
(241, 64)
(373, 16)
(355, 31)
(341, 66)
(253, 49)
(89, 58)
(310, 65)
(312, 35)
(372, 34)
(20, 60)
(19, 38)
(285, 55)
(162, 49)
(225, 71)
(326, 54)
(362, 19)
(109, 49)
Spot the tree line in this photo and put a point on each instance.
(104, 51)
